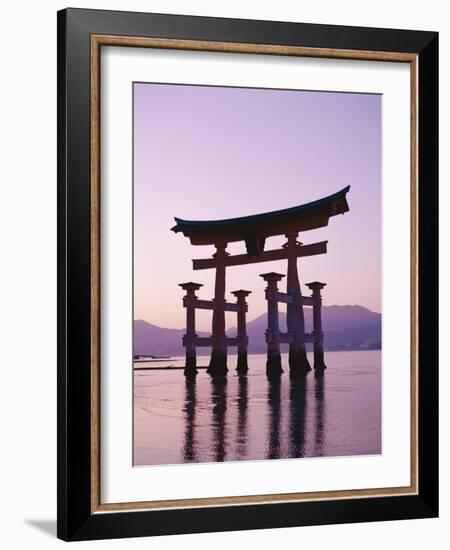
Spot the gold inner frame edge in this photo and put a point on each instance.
(97, 41)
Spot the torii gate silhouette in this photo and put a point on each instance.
(254, 230)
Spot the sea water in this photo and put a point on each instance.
(250, 417)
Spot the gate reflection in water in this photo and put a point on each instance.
(250, 417)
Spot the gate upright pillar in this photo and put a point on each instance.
(190, 369)
(218, 361)
(242, 364)
(298, 360)
(273, 364)
(316, 287)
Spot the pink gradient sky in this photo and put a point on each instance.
(213, 152)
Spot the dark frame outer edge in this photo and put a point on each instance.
(75, 521)
(61, 286)
(428, 161)
(74, 388)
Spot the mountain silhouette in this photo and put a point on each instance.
(345, 328)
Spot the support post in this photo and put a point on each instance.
(316, 287)
(273, 364)
(218, 361)
(298, 360)
(242, 364)
(190, 369)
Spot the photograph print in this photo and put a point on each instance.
(257, 274)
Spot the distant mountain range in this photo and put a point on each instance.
(345, 328)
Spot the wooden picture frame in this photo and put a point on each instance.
(81, 35)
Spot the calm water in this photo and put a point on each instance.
(248, 418)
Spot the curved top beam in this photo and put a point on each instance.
(255, 228)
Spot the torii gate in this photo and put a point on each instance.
(254, 230)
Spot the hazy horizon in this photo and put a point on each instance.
(251, 319)
(211, 152)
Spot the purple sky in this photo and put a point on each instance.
(212, 152)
